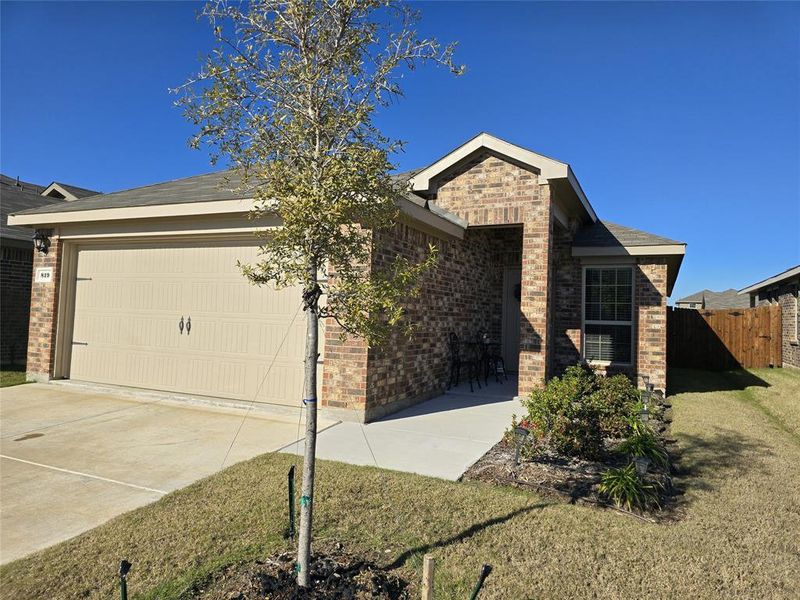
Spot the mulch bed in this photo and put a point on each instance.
(571, 479)
(334, 575)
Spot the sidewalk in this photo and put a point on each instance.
(441, 437)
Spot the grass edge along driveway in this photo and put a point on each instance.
(740, 538)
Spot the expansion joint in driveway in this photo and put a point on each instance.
(80, 474)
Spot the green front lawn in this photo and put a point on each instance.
(740, 537)
(12, 376)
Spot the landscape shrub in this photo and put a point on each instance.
(625, 488)
(562, 416)
(643, 442)
(573, 413)
(615, 399)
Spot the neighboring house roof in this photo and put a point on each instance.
(775, 279)
(693, 298)
(68, 192)
(716, 300)
(14, 198)
(25, 185)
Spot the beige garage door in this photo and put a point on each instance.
(129, 302)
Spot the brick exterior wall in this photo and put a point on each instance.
(650, 314)
(462, 294)
(491, 191)
(43, 319)
(15, 283)
(786, 296)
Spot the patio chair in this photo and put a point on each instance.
(489, 358)
(459, 359)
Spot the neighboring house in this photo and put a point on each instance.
(781, 289)
(523, 256)
(17, 259)
(714, 300)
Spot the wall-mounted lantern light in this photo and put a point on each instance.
(41, 240)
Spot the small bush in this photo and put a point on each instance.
(643, 442)
(574, 413)
(615, 399)
(626, 489)
(563, 417)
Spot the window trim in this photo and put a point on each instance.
(632, 322)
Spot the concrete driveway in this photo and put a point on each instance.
(72, 458)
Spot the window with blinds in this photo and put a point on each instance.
(608, 314)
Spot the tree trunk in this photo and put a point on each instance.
(310, 400)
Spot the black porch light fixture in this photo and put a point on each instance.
(41, 240)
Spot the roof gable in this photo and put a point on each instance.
(424, 182)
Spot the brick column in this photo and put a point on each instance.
(534, 305)
(344, 375)
(651, 338)
(43, 317)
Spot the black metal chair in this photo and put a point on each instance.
(459, 359)
(489, 358)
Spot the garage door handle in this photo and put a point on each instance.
(188, 325)
(180, 325)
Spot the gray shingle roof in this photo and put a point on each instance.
(76, 191)
(26, 185)
(605, 234)
(199, 188)
(15, 199)
(715, 300)
(221, 185)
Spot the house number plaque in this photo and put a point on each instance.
(44, 275)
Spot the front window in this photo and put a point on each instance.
(608, 314)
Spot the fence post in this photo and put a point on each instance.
(428, 569)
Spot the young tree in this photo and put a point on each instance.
(288, 96)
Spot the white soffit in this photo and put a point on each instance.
(661, 250)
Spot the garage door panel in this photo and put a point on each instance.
(129, 301)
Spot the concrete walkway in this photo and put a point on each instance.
(442, 437)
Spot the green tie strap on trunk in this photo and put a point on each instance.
(305, 500)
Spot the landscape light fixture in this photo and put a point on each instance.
(41, 240)
(520, 435)
(642, 463)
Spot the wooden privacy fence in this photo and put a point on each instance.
(720, 340)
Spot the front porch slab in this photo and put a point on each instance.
(440, 438)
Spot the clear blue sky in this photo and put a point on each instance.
(680, 119)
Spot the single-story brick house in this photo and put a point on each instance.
(523, 256)
(16, 259)
(782, 289)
